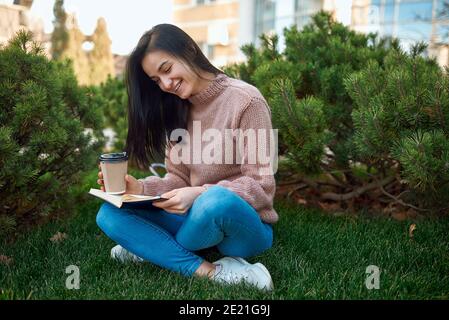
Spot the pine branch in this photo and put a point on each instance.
(52, 167)
(438, 106)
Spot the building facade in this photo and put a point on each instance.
(213, 24)
(408, 20)
(272, 16)
(275, 15)
(221, 27)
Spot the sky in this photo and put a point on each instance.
(126, 20)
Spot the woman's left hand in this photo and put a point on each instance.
(180, 200)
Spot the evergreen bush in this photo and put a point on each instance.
(360, 121)
(50, 133)
(401, 119)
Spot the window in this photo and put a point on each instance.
(304, 9)
(207, 49)
(210, 51)
(414, 31)
(389, 13)
(265, 17)
(202, 2)
(443, 9)
(418, 11)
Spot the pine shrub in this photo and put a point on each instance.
(49, 134)
(401, 122)
(360, 121)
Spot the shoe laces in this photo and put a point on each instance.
(232, 276)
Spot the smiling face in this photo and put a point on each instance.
(171, 75)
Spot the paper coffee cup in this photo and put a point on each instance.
(114, 167)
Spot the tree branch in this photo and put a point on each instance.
(298, 187)
(357, 192)
(397, 200)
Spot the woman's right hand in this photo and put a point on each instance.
(133, 186)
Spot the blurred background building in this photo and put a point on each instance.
(213, 24)
(408, 20)
(16, 16)
(222, 26)
(92, 58)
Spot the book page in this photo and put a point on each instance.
(113, 199)
(136, 197)
(118, 199)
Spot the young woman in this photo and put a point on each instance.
(178, 102)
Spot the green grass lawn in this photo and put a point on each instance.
(315, 256)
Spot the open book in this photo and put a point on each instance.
(119, 199)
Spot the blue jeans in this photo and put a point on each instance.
(218, 217)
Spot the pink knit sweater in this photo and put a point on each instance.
(226, 103)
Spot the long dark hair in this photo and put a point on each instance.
(153, 113)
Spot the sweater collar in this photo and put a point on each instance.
(213, 90)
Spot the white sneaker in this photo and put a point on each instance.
(121, 254)
(233, 270)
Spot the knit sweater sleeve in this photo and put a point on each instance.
(177, 176)
(257, 184)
